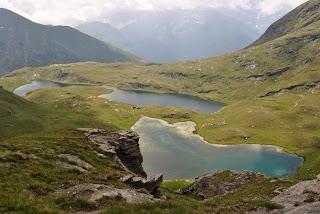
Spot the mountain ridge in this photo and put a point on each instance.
(300, 17)
(26, 43)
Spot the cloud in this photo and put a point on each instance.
(71, 12)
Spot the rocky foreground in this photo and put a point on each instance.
(86, 170)
(123, 148)
(302, 198)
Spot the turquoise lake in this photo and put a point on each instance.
(180, 155)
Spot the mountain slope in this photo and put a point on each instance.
(304, 15)
(24, 43)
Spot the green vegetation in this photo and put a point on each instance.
(31, 176)
(271, 91)
(21, 116)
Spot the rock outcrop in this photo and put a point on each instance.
(151, 184)
(95, 192)
(221, 183)
(72, 162)
(303, 197)
(122, 146)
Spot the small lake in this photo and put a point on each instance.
(143, 98)
(25, 89)
(179, 154)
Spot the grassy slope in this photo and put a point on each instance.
(21, 116)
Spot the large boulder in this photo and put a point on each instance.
(151, 184)
(221, 183)
(72, 162)
(122, 146)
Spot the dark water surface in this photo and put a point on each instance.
(142, 98)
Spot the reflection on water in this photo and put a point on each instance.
(25, 89)
(142, 98)
(180, 155)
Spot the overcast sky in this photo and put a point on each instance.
(73, 12)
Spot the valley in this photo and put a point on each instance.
(248, 105)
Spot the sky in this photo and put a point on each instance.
(73, 12)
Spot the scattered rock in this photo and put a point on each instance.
(95, 192)
(136, 107)
(306, 86)
(177, 116)
(307, 61)
(68, 166)
(203, 91)
(274, 73)
(76, 160)
(249, 65)
(73, 163)
(277, 72)
(151, 184)
(122, 146)
(221, 183)
(256, 77)
(62, 75)
(5, 165)
(173, 75)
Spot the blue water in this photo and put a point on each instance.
(177, 155)
(180, 156)
(25, 89)
(142, 98)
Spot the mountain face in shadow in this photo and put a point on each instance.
(25, 43)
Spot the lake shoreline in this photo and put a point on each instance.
(186, 130)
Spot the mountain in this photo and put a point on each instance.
(25, 43)
(303, 16)
(177, 35)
